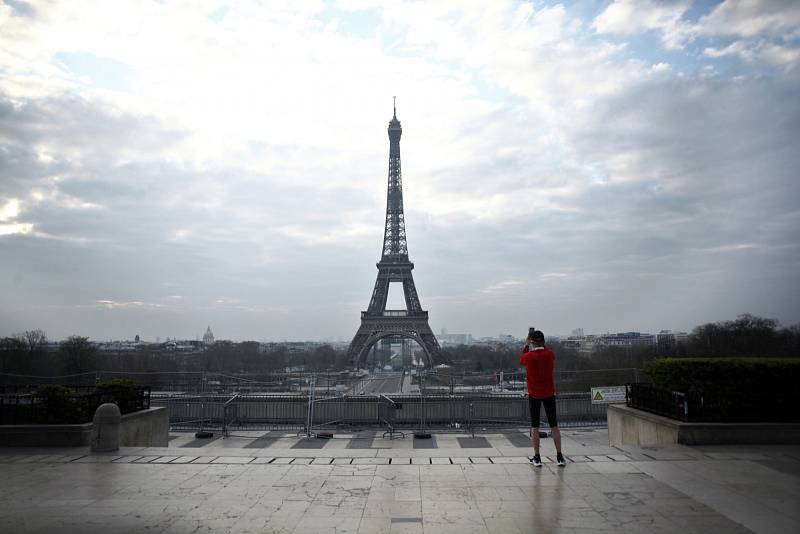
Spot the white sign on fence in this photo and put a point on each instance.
(608, 395)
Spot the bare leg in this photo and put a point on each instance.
(535, 440)
(556, 438)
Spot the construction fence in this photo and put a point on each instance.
(305, 413)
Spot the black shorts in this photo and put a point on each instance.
(549, 410)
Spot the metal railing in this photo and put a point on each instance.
(442, 400)
(649, 398)
(775, 405)
(308, 414)
(387, 413)
(230, 414)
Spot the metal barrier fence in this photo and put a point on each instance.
(25, 405)
(306, 414)
(647, 397)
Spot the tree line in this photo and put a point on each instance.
(26, 354)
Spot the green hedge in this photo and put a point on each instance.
(756, 386)
(722, 374)
(123, 392)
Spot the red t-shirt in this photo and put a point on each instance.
(539, 364)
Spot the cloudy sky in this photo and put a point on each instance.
(619, 166)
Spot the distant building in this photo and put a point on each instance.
(577, 332)
(450, 340)
(668, 338)
(627, 339)
(291, 347)
(186, 346)
(585, 344)
(208, 337)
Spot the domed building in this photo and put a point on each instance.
(208, 337)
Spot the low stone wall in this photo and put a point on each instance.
(45, 435)
(629, 426)
(145, 428)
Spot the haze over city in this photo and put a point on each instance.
(612, 166)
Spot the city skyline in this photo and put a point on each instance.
(613, 166)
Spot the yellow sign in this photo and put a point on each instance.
(608, 395)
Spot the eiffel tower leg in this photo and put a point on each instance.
(379, 294)
(431, 345)
(358, 346)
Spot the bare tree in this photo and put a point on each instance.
(34, 340)
(12, 354)
(79, 354)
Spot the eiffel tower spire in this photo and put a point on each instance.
(394, 235)
(378, 322)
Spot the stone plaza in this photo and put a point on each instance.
(276, 482)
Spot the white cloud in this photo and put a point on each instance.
(753, 18)
(245, 155)
(9, 210)
(629, 17)
(762, 27)
(15, 228)
(774, 54)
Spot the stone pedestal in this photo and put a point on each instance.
(105, 428)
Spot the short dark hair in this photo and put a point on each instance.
(538, 335)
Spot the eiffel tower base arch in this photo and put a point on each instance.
(374, 329)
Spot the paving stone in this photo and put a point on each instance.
(519, 439)
(71, 458)
(425, 443)
(33, 458)
(310, 443)
(145, 459)
(203, 459)
(201, 442)
(232, 460)
(509, 460)
(184, 459)
(264, 441)
(474, 443)
(665, 454)
(126, 459)
(15, 458)
(97, 459)
(371, 461)
(164, 459)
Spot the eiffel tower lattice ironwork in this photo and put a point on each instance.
(377, 322)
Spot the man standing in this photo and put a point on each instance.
(539, 361)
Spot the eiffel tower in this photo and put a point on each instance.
(377, 322)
